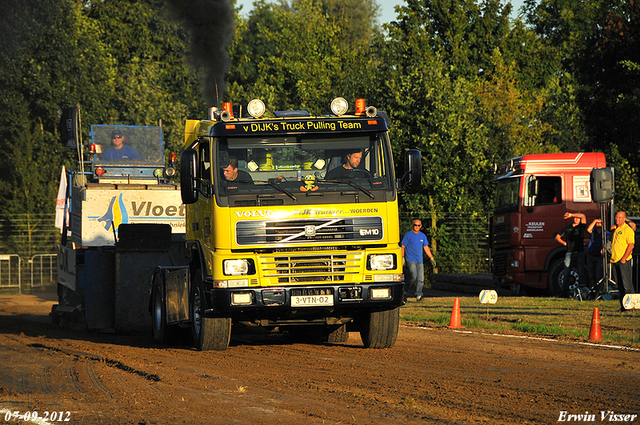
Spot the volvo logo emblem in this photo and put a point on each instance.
(310, 230)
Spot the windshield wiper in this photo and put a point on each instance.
(278, 187)
(354, 185)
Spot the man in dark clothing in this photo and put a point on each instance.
(572, 236)
(594, 252)
(232, 175)
(349, 169)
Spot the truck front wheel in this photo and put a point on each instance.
(379, 329)
(555, 284)
(335, 334)
(209, 333)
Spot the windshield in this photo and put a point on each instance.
(127, 144)
(298, 165)
(507, 194)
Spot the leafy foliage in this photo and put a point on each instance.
(116, 59)
(297, 57)
(598, 41)
(462, 81)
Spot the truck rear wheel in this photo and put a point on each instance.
(379, 329)
(209, 333)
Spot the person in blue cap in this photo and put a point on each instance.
(119, 151)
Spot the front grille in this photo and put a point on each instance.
(500, 263)
(501, 235)
(301, 269)
(358, 229)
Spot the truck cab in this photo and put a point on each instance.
(292, 223)
(533, 192)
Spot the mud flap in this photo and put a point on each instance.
(177, 287)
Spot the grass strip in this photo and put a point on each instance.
(546, 317)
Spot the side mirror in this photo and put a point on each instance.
(188, 176)
(602, 186)
(413, 168)
(533, 188)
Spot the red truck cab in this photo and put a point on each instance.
(533, 193)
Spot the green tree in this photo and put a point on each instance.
(51, 59)
(463, 114)
(357, 17)
(598, 41)
(297, 57)
(461, 88)
(119, 60)
(151, 79)
(627, 189)
(611, 89)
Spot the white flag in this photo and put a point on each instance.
(62, 194)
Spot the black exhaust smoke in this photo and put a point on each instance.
(211, 28)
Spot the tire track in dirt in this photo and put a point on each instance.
(44, 380)
(73, 379)
(96, 382)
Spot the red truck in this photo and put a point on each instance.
(533, 193)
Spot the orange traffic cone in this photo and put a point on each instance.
(455, 316)
(595, 334)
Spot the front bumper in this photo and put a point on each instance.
(308, 302)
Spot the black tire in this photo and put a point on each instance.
(158, 313)
(335, 334)
(555, 281)
(379, 329)
(209, 333)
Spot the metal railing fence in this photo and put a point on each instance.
(40, 271)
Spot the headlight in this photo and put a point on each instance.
(241, 298)
(235, 267)
(381, 262)
(256, 108)
(514, 263)
(339, 106)
(380, 293)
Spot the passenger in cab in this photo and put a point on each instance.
(349, 169)
(231, 173)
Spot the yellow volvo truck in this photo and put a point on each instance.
(291, 223)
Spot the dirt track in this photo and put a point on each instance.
(430, 376)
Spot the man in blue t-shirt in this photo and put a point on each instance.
(119, 151)
(413, 243)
